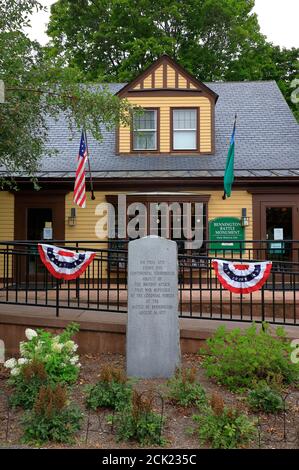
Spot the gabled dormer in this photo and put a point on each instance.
(178, 115)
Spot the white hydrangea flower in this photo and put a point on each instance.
(56, 339)
(69, 345)
(57, 347)
(30, 334)
(10, 363)
(15, 371)
(22, 361)
(74, 360)
(78, 365)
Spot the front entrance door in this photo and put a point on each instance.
(276, 219)
(34, 212)
(39, 220)
(279, 231)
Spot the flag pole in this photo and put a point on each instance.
(89, 168)
(235, 122)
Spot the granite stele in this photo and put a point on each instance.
(153, 346)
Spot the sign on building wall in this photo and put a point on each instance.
(227, 233)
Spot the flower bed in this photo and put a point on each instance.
(102, 427)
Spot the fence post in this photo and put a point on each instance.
(57, 297)
(77, 279)
(263, 306)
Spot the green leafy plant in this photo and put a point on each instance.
(238, 359)
(51, 419)
(139, 422)
(112, 391)
(184, 390)
(56, 352)
(222, 427)
(27, 384)
(265, 398)
(45, 359)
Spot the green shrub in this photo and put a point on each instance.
(224, 428)
(139, 422)
(51, 418)
(112, 391)
(56, 352)
(238, 359)
(27, 384)
(264, 398)
(45, 359)
(184, 390)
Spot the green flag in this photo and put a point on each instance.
(229, 168)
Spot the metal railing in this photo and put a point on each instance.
(103, 286)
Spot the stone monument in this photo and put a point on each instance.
(153, 336)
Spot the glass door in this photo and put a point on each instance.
(39, 226)
(279, 225)
(279, 232)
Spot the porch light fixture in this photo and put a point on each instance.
(244, 218)
(72, 220)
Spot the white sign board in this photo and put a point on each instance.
(47, 233)
(278, 234)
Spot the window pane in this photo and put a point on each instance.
(184, 119)
(147, 120)
(144, 140)
(184, 140)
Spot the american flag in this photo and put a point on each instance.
(79, 189)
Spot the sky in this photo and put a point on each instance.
(279, 21)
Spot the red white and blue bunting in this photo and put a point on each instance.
(64, 264)
(242, 278)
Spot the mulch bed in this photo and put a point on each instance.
(276, 432)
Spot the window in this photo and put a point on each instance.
(145, 130)
(169, 199)
(184, 129)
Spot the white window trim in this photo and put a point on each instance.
(155, 130)
(174, 129)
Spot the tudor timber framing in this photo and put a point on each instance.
(193, 87)
(163, 61)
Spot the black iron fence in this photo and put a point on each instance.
(103, 286)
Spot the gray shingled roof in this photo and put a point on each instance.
(267, 140)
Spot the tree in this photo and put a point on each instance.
(213, 39)
(37, 85)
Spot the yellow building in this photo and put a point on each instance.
(174, 151)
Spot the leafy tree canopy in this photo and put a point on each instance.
(38, 84)
(213, 39)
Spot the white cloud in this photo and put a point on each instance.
(39, 21)
(279, 21)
